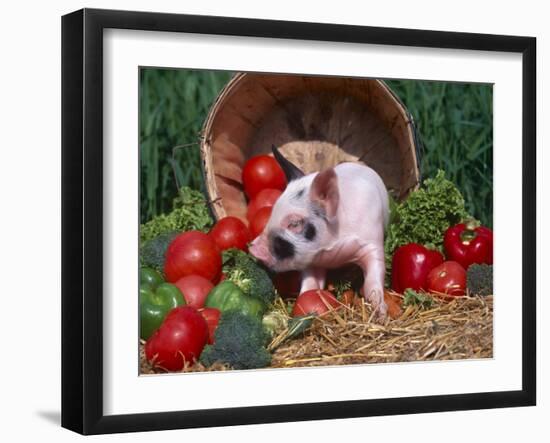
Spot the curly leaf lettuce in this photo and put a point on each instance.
(190, 212)
(425, 216)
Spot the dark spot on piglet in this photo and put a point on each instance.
(310, 232)
(282, 248)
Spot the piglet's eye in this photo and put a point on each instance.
(294, 224)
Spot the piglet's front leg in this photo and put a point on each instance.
(313, 278)
(374, 269)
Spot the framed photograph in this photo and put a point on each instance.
(309, 220)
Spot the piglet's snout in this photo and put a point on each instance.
(259, 249)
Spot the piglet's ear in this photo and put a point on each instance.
(292, 172)
(324, 192)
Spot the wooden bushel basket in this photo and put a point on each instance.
(317, 122)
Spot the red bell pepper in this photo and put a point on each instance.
(468, 243)
(411, 264)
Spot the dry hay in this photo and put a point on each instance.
(458, 329)
(461, 328)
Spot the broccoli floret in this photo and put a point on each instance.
(243, 270)
(153, 252)
(479, 279)
(239, 341)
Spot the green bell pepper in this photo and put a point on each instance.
(228, 297)
(155, 301)
(149, 277)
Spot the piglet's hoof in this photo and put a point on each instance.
(379, 306)
(381, 313)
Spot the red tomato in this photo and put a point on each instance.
(262, 172)
(314, 301)
(260, 220)
(411, 264)
(212, 317)
(288, 283)
(180, 339)
(192, 252)
(266, 197)
(447, 278)
(230, 232)
(195, 289)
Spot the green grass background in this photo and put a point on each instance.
(454, 120)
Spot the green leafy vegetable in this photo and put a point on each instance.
(239, 341)
(243, 270)
(190, 212)
(188, 197)
(275, 322)
(298, 325)
(425, 216)
(421, 299)
(479, 279)
(294, 327)
(345, 278)
(340, 287)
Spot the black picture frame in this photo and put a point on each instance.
(82, 218)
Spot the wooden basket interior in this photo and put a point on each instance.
(317, 122)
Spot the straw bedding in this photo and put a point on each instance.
(461, 328)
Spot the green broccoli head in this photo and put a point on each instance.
(153, 252)
(249, 275)
(239, 341)
(479, 279)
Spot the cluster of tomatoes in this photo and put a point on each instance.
(193, 263)
(263, 183)
(197, 253)
(416, 267)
